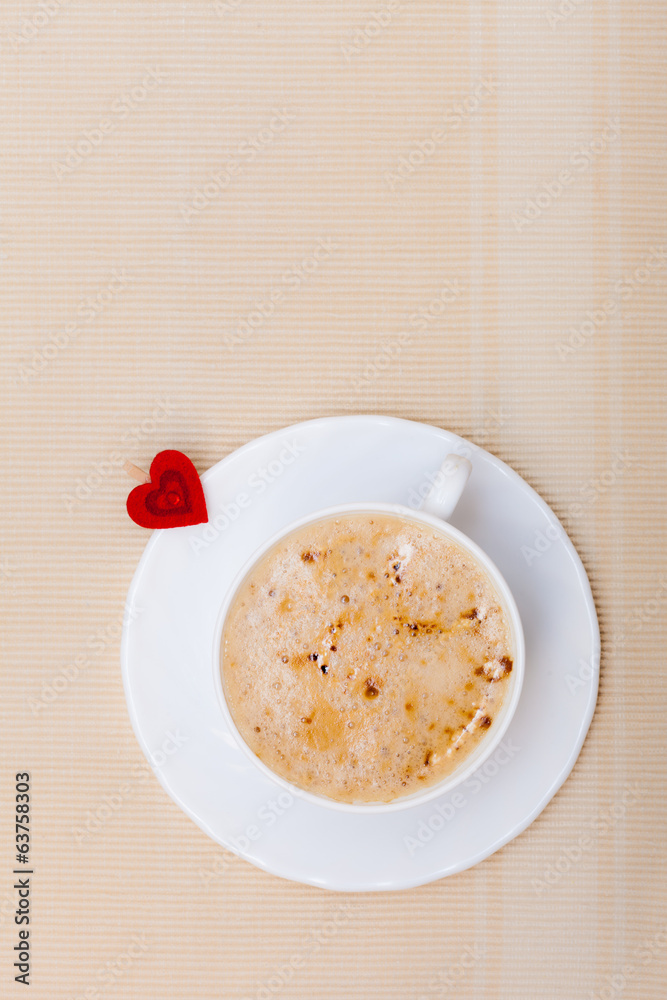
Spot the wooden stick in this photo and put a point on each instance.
(136, 473)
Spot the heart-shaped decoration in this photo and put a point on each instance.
(173, 498)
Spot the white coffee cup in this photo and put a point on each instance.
(438, 505)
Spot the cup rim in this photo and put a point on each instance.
(484, 749)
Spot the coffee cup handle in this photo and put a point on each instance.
(448, 485)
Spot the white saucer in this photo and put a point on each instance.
(180, 584)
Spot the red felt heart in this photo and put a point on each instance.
(174, 497)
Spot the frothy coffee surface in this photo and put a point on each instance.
(365, 657)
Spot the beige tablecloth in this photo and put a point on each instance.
(461, 206)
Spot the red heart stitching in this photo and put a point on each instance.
(173, 498)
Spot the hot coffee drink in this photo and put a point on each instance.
(365, 656)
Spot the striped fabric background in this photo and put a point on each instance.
(487, 180)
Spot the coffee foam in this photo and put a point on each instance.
(365, 657)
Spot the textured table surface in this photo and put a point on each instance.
(218, 219)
